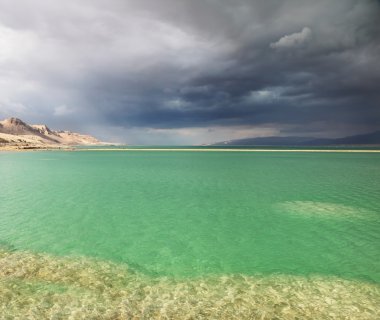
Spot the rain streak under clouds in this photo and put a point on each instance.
(190, 72)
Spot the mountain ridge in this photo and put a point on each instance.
(18, 134)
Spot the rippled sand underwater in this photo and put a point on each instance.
(40, 286)
(325, 210)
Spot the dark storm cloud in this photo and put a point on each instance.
(142, 67)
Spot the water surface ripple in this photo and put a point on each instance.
(189, 235)
(199, 213)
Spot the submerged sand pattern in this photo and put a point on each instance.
(324, 209)
(39, 286)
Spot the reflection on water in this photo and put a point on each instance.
(37, 286)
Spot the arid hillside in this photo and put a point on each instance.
(16, 134)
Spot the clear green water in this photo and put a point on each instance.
(187, 214)
(189, 235)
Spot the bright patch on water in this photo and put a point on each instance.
(324, 210)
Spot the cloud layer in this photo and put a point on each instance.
(175, 71)
(293, 40)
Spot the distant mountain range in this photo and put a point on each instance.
(362, 139)
(15, 132)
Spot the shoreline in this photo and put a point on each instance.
(33, 148)
(73, 149)
(227, 150)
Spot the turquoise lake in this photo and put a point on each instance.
(189, 214)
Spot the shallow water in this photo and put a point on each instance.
(47, 287)
(281, 218)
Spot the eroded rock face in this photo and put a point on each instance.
(43, 128)
(14, 121)
(16, 126)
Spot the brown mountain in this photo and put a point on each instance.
(16, 132)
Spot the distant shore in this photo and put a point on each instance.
(25, 147)
(28, 147)
(226, 150)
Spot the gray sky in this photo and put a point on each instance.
(194, 71)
